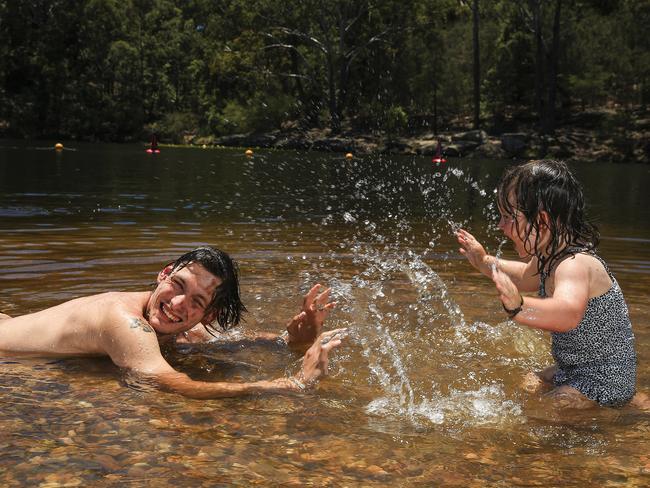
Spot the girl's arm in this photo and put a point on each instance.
(560, 313)
(523, 275)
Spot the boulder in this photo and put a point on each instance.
(396, 147)
(476, 136)
(452, 151)
(291, 143)
(514, 143)
(559, 152)
(489, 150)
(426, 147)
(261, 140)
(333, 144)
(246, 140)
(233, 140)
(459, 148)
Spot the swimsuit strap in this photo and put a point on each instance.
(570, 251)
(542, 284)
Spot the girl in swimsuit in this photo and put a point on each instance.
(578, 300)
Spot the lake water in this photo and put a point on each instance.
(425, 391)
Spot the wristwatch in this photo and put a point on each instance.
(512, 313)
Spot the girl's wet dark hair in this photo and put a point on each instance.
(226, 300)
(548, 185)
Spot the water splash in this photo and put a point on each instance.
(400, 309)
(394, 221)
(487, 405)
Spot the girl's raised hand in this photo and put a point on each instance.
(471, 249)
(508, 292)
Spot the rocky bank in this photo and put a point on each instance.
(588, 137)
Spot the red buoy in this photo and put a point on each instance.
(438, 158)
(153, 148)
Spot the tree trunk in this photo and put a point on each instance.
(549, 119)
(539, 60)
(141, 68)
(344, 69)
(477, 70)
(435, 108)
(335, 119)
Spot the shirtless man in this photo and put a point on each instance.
(199, 288)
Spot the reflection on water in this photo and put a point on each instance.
(426, 390)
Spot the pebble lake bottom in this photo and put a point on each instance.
(425, 391)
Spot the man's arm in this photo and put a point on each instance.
(132, 345)
(238, 338)
(314, 366)
(180, 383)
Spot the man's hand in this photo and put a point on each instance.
(308, 324)
(315, 360)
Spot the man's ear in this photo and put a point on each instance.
(166, 271)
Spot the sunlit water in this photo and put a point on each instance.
(425, 390)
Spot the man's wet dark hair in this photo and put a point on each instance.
(226, 300)
(550, 186)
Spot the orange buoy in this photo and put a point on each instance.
(249, 152)
(58, 146)
(349, 156)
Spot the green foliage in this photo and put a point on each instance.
(106, 69)
(589, 89)
(175, 125)
(395, 120)
(257, 115)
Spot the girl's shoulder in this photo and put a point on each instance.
(578, 264)
(587, 266)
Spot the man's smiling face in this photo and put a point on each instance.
(179, 301)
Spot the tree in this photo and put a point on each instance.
(476, 63)
(336, 37)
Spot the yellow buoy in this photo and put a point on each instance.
(348, 156)
(204, 146)
(58, 146)
(249, 152)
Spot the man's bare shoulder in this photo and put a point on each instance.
(121, 299)
(123, 310)
(127, 337)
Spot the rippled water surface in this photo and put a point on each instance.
(424, 393)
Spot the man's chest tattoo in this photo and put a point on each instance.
(136, 323)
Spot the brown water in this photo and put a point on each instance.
(425, 391)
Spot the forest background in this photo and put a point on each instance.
(198, 71)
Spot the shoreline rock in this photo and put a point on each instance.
(568, 143)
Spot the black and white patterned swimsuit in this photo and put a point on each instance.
(598, 358)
